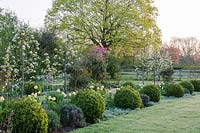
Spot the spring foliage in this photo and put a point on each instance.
(117, 24)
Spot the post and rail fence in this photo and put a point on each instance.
(178, 74)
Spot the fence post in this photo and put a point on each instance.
(154, 77)
(147, 75)
(143, 75)
(180, 75)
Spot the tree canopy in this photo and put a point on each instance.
(119, 25)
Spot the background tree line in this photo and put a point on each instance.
(184, 52)
(104, 30)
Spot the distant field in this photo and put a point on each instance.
(169, 116)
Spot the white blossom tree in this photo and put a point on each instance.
(155, 62)
(8, 27)
(21, 60)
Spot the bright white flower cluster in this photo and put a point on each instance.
(63, 94)
(33, 95)
(118, 89)
(24, 42)
(110, 91)
(97, 87)
(72, 93)
(100, 88)
(91, 87)
(1, 99)
(50, 98)
(35, 87)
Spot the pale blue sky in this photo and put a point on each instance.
(176, 17)
(33, 11)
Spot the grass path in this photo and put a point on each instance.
(169, 116)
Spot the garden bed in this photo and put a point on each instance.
(169, 115)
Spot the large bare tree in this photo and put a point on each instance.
(188, 46)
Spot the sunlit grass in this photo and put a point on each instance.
(170, 115)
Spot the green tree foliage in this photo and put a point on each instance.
(48, 42)
(117, 24)
(113, 66)
(167, 74)
(97, 67)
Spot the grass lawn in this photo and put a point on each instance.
(170, 115)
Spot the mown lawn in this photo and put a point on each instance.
(169, 116)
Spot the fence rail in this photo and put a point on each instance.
(178, 74)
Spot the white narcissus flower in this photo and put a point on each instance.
(91, 87)
(23, 47)
(23, 34)
(53, 98)
(36, 87)
(64, 94)
(49, 97)
(70, 94)
(58, 90)
(1, 99)
(109, 91)
(74, 93)
(102, 87)
(117, 89)
(35, 94)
